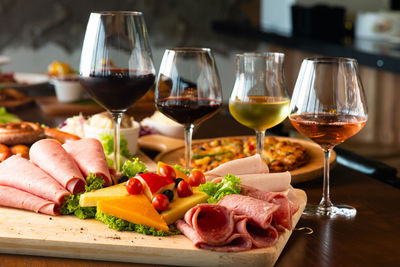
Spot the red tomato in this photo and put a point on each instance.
(134, 186)
(160, 202)
(167, 171)
(184, 189)
(196, 178)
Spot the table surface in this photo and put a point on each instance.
(372, 238)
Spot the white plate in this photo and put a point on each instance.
(27, 79)
(4, 60)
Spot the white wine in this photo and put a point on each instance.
(260, 112)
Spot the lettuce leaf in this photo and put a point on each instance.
(71, 202)
(107, 140)
(228, 186)
(7, 117)
(180, 168)
(132, 167)
(123, 225)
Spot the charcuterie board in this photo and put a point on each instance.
(23, 232)
(172, 150)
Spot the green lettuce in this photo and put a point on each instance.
(107, 140)
(123, 225)
(180, 168)
(228, 186)
(132, 167)
(71, 202)
(7, 117)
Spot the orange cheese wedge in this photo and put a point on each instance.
(178, 173)
(134, 208)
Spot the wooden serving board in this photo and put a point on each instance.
(173, 149)
(24, 232)
(51, 106)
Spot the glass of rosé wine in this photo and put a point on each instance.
(328, 106)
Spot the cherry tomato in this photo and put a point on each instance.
(134, 186)
(196, 178)
(160, 202)
(167, 171)
(184, 189)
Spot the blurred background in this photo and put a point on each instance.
(35, 33)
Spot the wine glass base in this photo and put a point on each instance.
(335, 211)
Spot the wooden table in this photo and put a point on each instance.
(372, 238)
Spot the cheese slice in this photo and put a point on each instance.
(133, 208)
(90, 199)
(179, 206)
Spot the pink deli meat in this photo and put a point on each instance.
(260, 238)
(51, 157)
(253, 164)
(258, 212)
(22, 174)
(15, 198)
(89, 155)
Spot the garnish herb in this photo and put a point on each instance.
(228, 186)
(132, 167)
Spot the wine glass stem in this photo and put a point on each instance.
(260, 142)
(326, 201)
(117, 124)
(188, 146)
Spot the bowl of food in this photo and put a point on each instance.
(65, 82)
(164, 125)
(100, 126)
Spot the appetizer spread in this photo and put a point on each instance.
(279, 155)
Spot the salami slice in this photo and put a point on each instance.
(15, 198)
(22, 174)
(89, 155)
(261, 238)
(259, 212)
(51, 157)
(213, 223)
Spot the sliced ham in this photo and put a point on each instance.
(22, 174)
(89, 155)
(258, 212)
(261, 238)
(271, 182)
(15, 198)
(253, 164)
(50, 156)
(213, 223)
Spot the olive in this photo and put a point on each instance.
(123, 178)
(139, 173)
(177, 181)
(169, 194)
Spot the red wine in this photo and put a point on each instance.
(117, 89)
(186, 111)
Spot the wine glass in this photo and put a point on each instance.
(116, 67)
(259, 98)
(188, 89)
(328, 106)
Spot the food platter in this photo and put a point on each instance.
(23, 232)
(173, 149)
(26, 80)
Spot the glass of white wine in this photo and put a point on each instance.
(259, 99)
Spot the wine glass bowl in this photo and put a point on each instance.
(188, 89)
(259, 98)
(328, 106)
(116, 67)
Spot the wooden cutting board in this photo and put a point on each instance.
(173, 149)
(51, 106)
(23, 232)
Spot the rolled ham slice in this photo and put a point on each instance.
(258, 212)
(50, 156)
(15, 198)
(253, 164)
(89, 155)
(22, 174)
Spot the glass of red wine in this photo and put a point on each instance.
(328, 106)
(188, 89)
(116, 67)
